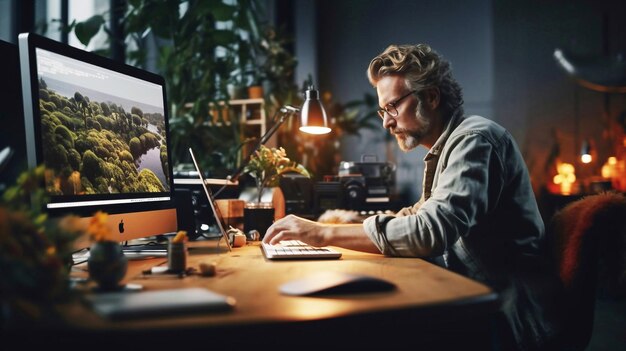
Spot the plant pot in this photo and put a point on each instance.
(255, 92)
(258, 216)
(107, 264)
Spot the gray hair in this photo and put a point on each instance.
(422, 67)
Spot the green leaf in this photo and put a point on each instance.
(222, 11)
(223, 37)
(134, 3)
(85, 31)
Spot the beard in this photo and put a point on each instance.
(410, 138)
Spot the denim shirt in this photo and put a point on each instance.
(477, 216)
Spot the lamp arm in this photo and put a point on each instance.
(270, 132)
(286, 111)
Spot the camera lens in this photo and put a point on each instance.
(355, 194)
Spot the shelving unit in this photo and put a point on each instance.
(250, 115)
(250, 112)
(252, 121)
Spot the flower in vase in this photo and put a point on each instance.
(267, 165)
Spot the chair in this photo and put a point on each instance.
(589, 242)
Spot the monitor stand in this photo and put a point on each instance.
(145, 248)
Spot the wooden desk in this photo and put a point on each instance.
(432, 306)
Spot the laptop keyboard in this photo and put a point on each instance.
(295, 249)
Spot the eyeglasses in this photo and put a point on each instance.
(391, 108)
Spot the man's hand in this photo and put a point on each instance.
(293, 227)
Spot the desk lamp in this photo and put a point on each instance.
(313, 120)
(585, 152)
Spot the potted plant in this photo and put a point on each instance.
(107, 264)
(266, 166)
(205, 49)
(35, 255)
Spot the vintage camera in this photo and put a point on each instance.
(360, 186)
(340, 192)
(354, 191)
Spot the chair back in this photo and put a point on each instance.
(589, 243)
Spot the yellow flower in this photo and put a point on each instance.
(51, 251)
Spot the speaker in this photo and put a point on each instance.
(328, 195)
(185, 212)
(298, 193)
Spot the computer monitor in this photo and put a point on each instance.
(12, 145)
(100, 127)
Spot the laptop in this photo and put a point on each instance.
(289, 249)
(219, 219)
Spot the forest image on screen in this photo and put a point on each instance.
(101, 132)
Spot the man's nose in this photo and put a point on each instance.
(388, 121)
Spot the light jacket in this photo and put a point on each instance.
(478, 216)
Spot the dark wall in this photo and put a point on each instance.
(501, 53)
(534, 96)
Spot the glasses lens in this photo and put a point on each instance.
(391, 110)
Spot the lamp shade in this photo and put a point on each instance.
(603, 74)
(313, 119)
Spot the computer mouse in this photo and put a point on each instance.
(335, 283)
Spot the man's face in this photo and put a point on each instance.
(413, 125)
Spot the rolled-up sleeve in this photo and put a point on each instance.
(400, 236)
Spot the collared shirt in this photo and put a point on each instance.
(477, 216)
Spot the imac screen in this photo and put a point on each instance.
(101, 129)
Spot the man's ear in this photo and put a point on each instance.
(431, 98)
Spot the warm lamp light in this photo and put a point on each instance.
(609, 168)
(313, 120)
(585, 152)
(565, 177)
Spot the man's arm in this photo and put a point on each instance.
(349, 236)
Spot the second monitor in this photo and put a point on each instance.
(101, 129)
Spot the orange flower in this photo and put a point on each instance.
(180, 237)
(98, 228)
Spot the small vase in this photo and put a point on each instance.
(258, 216)
(107, 264)
(176, 257)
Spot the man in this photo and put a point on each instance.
(477, 215)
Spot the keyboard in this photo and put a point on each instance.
(296, 249)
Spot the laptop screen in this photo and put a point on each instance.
(219, 219)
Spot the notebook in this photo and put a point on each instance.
(125, 304)
(219, 219)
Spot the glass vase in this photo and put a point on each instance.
(107, 265)
(258, 216)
